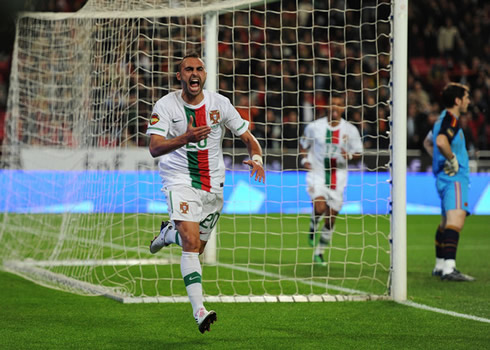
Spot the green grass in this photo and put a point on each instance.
(34, 317)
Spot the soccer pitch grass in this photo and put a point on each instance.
(34, 317)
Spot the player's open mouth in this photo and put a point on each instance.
(194, 84)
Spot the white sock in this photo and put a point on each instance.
(326, 236)
(191, 272)
(439, 264)
(172, 236)
(314, 222)
(449, 266)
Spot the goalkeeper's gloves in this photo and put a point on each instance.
(451, 166)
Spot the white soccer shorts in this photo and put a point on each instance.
(333, 198)
(191, 204)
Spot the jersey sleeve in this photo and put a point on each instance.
(306, 139)
(159, 122)
(449, 127)
(355, 142)
(233, 120)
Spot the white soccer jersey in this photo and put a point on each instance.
(325, 144)
(199, 165)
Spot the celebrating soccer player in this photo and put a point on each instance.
(450, 167)
(328, 144)
(186, 128)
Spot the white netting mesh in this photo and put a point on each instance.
(83, 198)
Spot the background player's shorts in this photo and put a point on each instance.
(333, 198)
(191, 204)
(453, 194)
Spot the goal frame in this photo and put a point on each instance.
(398, 278)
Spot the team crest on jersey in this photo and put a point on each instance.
(214, 116)
(184, 207)
(154, 119)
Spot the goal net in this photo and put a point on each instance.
(81, 195)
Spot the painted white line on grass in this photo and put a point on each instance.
(445, 312)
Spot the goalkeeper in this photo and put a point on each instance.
(187, 127)
(450, 167)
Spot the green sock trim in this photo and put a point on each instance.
(177, 238)
(192, 278)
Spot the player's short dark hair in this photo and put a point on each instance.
(193, 54)
(452, 91)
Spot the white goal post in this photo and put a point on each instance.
(82, 195)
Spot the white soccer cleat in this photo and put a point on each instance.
(205, 319)
(159, 241)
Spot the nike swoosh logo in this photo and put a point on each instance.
(175, 120)
(193, 278)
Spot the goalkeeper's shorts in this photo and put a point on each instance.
(191, 204)
(453, 194)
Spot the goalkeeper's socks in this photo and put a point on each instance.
(449, 266)
(191, 272)
(450, 239)
(438, 243)
(173, 236)
(439, 249)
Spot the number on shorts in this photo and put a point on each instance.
(210, 220)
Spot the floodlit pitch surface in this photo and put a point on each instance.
(37, 317)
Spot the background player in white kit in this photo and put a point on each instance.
(186, 128)
(326, 146)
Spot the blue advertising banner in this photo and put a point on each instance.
(285, 192)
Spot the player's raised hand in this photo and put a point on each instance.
(198, 133)
(257, 170)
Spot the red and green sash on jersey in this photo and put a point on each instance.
(332, 137)
(198, 161)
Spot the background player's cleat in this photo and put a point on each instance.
(159, 241)
(436, 272)
(457, 276)
(205, 319)
(318, 260)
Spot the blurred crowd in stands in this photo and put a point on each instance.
(448, 41)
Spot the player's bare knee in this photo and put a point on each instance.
(320, 208)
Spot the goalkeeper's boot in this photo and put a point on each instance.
(457, 277)
(205, 319)
(318, 260)
(437, 272)
(159, 241)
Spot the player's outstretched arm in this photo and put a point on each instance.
(255, 152)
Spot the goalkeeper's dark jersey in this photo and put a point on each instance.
(448, 125)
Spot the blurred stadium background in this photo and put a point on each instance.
(443, 46)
